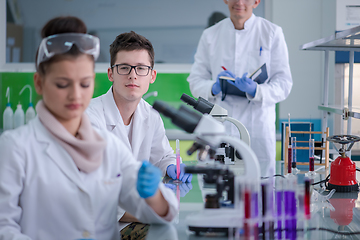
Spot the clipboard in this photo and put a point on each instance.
(259, 75)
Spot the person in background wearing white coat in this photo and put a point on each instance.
(59, 177)
(123, 112)
(241, 44)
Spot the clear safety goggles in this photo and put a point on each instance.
(62, 43)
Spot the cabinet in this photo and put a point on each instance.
(347, 40)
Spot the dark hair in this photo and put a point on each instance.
(128, 42)
(215, 17)
(58, 25)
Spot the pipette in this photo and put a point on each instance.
(177, 158)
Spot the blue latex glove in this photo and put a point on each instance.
(183, 187)
(216, 88)
(148, 180)
(245, 84)
(184, 177)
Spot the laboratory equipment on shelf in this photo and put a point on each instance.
(8, 115)
(348, 41)
(343, 170)
(324, 147)
(209, 134)
(30, 112)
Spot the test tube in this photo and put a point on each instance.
(247, 210)
(311, 172)
(267, 209)
(293, 146)
(289, 156)
(290, 207)
(251, 211)
(311, 154)
(255, 207)
(307, 199)
(293, 162)
(279, 207)
(264, 207)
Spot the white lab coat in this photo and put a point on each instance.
(149, 141)
(239, 52)
(43, 195)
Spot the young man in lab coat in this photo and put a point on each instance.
(241, 44)
(123, 112)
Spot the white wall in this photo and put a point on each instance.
(174, 27)
(302, 22)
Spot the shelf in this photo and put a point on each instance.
(347, 40)
(355, 113)
(332, 109)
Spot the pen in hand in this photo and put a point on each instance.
(223, 68)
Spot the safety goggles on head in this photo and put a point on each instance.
(62, 43)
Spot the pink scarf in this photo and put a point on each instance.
(86, 149)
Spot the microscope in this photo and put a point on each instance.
(209, 134)
(226, 154)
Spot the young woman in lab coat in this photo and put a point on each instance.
(241, 44)
(59, 177)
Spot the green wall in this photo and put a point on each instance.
(170, 87)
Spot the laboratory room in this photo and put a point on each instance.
(207, 119)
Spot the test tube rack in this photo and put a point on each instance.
(326, 148)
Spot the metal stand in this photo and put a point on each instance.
(326, 148)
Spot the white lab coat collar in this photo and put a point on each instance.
(58, 154)
(111, 112)
(250, 22)
(247, 25)
(140, 120)
(140, 125)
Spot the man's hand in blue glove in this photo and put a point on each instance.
(148, 180)
(184, 177)
(245, 84)
(216, 88)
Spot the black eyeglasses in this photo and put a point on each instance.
(125, 69)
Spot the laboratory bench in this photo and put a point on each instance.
(337, 218)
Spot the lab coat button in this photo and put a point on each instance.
(86, 234)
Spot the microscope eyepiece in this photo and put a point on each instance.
(189, 100)
(201, 104)
(183, 118)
